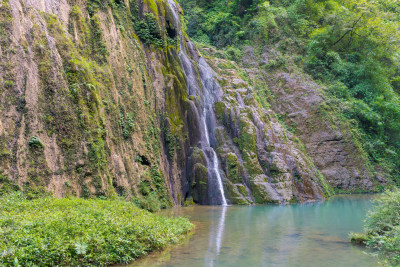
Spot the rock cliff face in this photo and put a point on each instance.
(86, 107)
(262, 161)
(328, 142)
(328, 139)
(99, 98)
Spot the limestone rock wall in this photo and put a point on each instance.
(328, 139)
(94, 102)
(84, 101)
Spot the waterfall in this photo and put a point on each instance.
(215, 162)
(209, 92)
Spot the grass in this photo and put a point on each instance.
(79, 232)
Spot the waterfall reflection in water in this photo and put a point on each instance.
(215, 239)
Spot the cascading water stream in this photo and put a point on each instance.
(214, 159)
(207, 89)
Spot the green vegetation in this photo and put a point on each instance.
(382, 229)
(234, 168)
(154, 193)
(35, 142)
(6, 185)
(77, 232)
(350, 47)
(79, 99)
(149, 31)
(127, 125)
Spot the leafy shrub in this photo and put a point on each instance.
(144, 188)
(150, 202)
(35, 142)
(6, 185)
(189, 202)
(78, 232)
(127, 124)
(8, 84)
(382, 229)
(233, 53)
(149, 31)
(34, 192)
(153, 191)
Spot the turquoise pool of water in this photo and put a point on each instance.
(312, 234)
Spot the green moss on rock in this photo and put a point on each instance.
(247, 138)
(263, 193)
(198, 156)
(220, 110)
(199, 182)
(242, 189)
(233, 194)
(234, 168)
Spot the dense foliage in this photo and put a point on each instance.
(382, 230)
(78, 232)
(350, 46)
(149, 31)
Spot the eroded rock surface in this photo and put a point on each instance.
(261, 160)
(328, 140)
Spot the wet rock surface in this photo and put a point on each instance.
(260, 159)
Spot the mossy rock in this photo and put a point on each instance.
(242, 189)
(232, 193)
(247, 138)
(249, 100)
(198, 156)
(252, 164)
(359, 238)
(220, 110)
(189, 202)
(262, 191)
(199, 183)
(5, 154)
(234, 169)
(153, 7)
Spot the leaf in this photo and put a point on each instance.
(80, 248)
(16, 262)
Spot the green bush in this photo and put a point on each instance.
(35, 142)
(382, 228)
(127, 124)
(6, 185)
(8, 84)
(149, 31)
(78, 232)
(150, 202)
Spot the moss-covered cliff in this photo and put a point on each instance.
(96, 101)
(86, 105)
